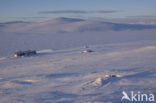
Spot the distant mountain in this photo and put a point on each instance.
(14, 22)
(67, 20)
(64, 25)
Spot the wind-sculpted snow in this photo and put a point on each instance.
(65, 71)
(70, 76)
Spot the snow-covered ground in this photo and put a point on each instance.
(61, 73)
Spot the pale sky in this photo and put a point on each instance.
(41, 9)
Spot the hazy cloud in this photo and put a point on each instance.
(76, 12)
(25, 18)
(106, 11)
(143, 16)
(146, 19)
(63, 12)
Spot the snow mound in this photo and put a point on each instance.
(18, 83)
(98, 82)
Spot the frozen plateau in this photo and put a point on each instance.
(123, 58)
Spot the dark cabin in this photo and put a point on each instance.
(25, 53)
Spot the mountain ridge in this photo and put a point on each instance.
(65, 25)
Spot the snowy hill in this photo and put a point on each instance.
(63, 25)
(122, 59)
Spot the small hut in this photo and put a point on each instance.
(25, 53)
(86, 49)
